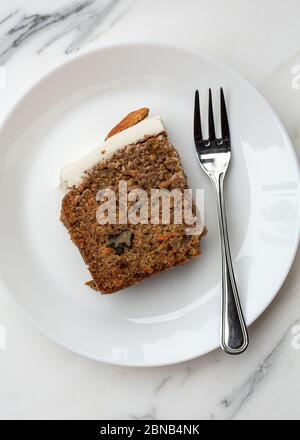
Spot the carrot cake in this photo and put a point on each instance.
(129, 243)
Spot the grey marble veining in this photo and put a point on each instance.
(85, 20)
(152, 415)
(235, 401)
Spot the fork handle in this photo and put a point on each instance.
(234, 336)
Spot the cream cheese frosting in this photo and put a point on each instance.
(72, 174)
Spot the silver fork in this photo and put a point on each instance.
(214, 156)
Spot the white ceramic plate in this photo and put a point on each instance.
(173, 317)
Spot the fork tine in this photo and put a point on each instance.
(211, 124)
(224, 118)
(197, 119)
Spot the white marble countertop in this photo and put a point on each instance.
(39, 379)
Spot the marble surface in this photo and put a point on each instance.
(38, 379)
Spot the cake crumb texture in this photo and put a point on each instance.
(120, 255)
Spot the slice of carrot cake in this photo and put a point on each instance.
(114, 211)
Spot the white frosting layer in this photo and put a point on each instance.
(72, 173)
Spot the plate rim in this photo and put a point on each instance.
(153, 45)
